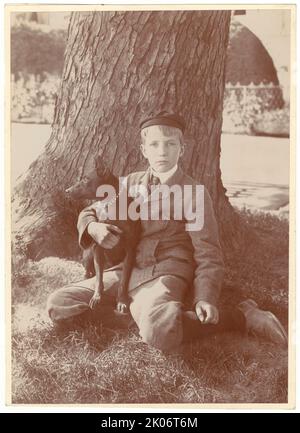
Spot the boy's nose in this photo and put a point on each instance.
(162, 149)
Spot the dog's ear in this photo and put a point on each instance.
(98, 165)
(101, 167)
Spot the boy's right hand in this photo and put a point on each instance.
(105, 235)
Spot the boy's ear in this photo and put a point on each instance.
(182, 150)
(142, 147)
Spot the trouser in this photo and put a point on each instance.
(156, 306)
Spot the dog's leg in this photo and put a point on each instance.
(99, 266)
(88, 262)
(122, 301)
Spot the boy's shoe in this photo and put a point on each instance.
(263, 323)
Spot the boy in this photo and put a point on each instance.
(171, 262)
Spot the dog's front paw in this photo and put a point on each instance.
(95, 301)
(122, 308)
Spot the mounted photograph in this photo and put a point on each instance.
(150, 195)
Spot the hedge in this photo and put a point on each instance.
(34, 51)
(247, 59)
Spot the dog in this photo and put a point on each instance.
(95, 257)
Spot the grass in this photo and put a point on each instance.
(100, 365)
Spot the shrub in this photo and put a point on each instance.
(274, 123)
(33, 97)
(244, 106)
(238, 116)
(247, 59)
(34, 50)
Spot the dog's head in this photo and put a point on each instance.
(86, 187)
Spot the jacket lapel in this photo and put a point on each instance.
(145, 179)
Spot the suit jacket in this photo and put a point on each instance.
(165, 247)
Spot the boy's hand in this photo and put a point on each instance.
(207, 313)
(106, 235)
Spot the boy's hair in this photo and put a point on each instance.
(167, 130)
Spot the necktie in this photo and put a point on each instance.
(154, 181)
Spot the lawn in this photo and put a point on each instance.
(99, 365)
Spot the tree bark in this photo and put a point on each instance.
(120, 66)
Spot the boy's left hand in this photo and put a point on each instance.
(207, 313)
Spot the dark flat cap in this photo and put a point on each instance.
(164, 118)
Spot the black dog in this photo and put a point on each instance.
(95, 257)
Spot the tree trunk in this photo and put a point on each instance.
(118, 67)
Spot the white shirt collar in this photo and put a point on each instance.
(163, 177)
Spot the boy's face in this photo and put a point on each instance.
(162, 151)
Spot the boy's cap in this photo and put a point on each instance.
(164, 118)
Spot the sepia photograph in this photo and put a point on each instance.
(150, 204)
